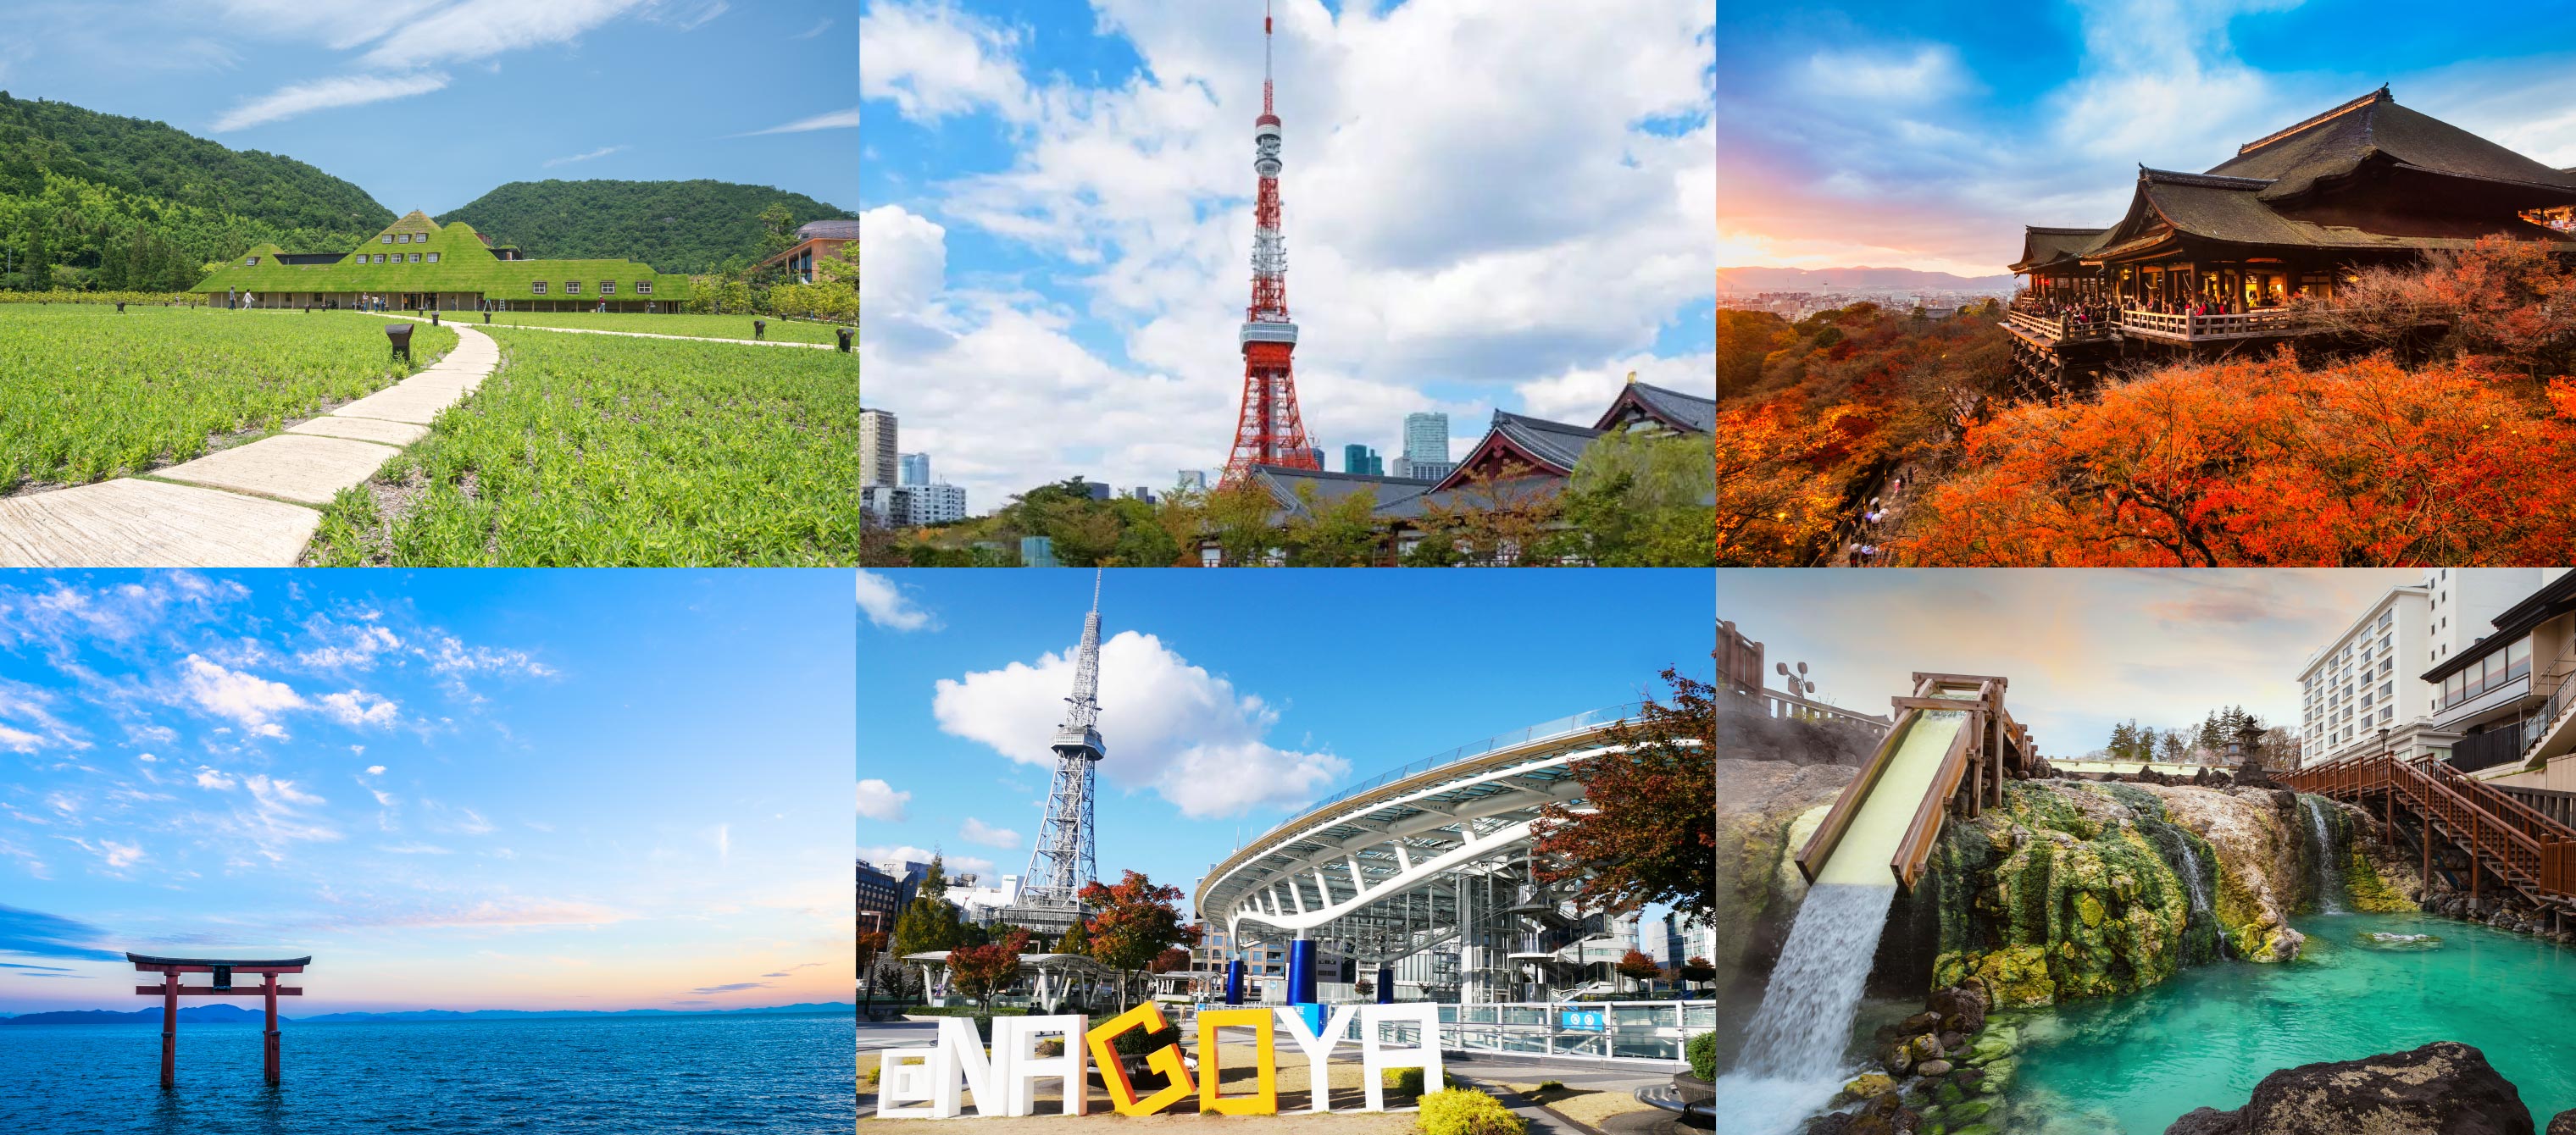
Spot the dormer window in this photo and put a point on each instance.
(643, 288)
(539, 287)
(433, 258)
(415, 258)
(572, 287)
(608, 287)
(388, 238)
(402, 238)
(251, 262)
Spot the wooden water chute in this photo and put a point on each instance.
(1989, 747)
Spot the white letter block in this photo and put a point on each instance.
(961, 1054)
(907, 1076)
(1318, 1050)
(1023, 1067)
(1374, 1061)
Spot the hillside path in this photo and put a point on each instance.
(254, 505)
(639, 334)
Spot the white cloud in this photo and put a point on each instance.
(113, 855)
(19, 740)
(899, 854)
(415, 849)
(977, 831)
(829, 120)
(816, 29)
(148, 758)
(359, 709)
(1546, 207)
(1185, 733)
(251, 700)
(601, 152)
(887, 606)
(375, 770)
(346, 646)
(1580, 393)
(215, 779)
(933, 60)
(879, 801)
(324, 94)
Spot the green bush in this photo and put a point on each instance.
(1551, 1085)
(1138, 1042)
(1410, 1079)
(1702, 1051)
(1466, 1111)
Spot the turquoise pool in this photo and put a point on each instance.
(2134, 1064)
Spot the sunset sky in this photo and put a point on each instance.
(1926, 136)
(456, 790)
(2083, 648)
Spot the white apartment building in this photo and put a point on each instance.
(936, 503)
(2469, 665)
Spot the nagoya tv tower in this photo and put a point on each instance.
(1269, 431)
(1064, 861)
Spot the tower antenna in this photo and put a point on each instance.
(1065, 860)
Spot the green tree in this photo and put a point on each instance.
(1343, 533)
(930, 923)
(777, 229)
(1238, 519)
(1640, 500)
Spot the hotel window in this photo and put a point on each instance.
(433, 258)
(539, 287)
(643, 289)
(572, 287)
(608, 287)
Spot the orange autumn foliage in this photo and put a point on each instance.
(2257, 462)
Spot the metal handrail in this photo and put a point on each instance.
(2560, 700)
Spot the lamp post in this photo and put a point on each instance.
(400, 335)
(760, 329)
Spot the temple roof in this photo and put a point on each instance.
(1328, 487)
(2040, 245)
(2340, 140)
(2235, 210)
(1686, 412)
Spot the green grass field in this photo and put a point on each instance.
(590, 450)
(693, 326)
(87, 394)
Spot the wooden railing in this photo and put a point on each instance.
(2533, 853)
(2239, 325)
(2065, 328)
(1990, 747)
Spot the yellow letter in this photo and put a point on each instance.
(1166, 1060)
(1265, 1099)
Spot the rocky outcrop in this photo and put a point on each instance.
(2378, 877)
(1946, 1069)
(2563, 1123)
(2443, 1088)
(1765, 810)
(2266, 868)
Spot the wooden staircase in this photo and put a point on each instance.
(2505, 838)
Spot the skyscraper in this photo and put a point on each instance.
(916, 468)
(1426, 438)
(1361, 459)
(876, 447)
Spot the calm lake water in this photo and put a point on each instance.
(2135, 1064)
(653, 1074)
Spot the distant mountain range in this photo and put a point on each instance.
(1748, 280)
(231, 1014)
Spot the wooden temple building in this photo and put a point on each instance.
(2206, 263)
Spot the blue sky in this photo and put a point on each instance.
(429, 104)
(1227, 700)
(458, 789)
(2083, 647)
(1904, 135)
(1058, 202)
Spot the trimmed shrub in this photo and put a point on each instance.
(1702, 1051)
(1466, 1111)
(1410, 1079)
(1138, 1042)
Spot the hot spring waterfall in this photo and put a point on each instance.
(1806, 1016)
(2330, 892)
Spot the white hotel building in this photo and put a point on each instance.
(2474, 666)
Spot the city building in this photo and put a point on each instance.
(877, 456)
(915, 469)
(1037, 551)
(1408, 469)
(1362, 460)
(2505, 694)
(1193, 479)
(416, 262)
(880, 899)
(890, 506)
(2207, 263)
(815, 239)
(2444, 668)
(1139, 493)
(1426, 438)
(935, 504)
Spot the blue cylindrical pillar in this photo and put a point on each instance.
(1386, 985)
(1301, 972)
(1234, 981)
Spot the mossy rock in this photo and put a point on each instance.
(1977, 1129)
(1869, 1086)
(1968, 1111)
(2000, 1075)
(1948, 1093)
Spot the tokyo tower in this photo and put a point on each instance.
(1268, 431)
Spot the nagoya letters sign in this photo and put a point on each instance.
(928, 1083)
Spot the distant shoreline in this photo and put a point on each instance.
(233, 1014)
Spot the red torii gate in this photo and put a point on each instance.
(223, 969)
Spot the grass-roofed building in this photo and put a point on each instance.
(418, 263)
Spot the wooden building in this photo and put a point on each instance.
(2204, 263)
(814, 239)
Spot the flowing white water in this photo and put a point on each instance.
(2330, 896)
(1792, 1062)
(2191, 877)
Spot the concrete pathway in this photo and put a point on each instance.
(245, 506)
(465, 317)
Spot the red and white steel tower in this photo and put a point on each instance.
(1268, 432)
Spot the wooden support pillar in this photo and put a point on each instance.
(270, 1039)
(2428, 853)
(169, 1030)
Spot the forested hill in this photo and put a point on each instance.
(152, 159)
(675, 226)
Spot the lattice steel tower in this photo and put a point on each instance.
(1064, 862)
(1268, 430)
